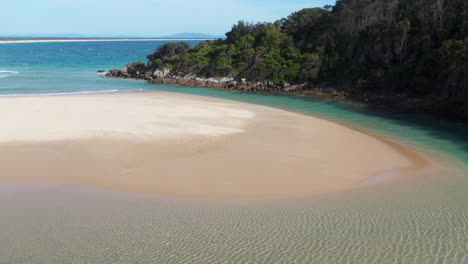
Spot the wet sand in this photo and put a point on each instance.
(188, 146)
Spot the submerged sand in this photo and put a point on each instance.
(183, 145)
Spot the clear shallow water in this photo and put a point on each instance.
(420, 220)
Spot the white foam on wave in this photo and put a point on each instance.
(15, 72)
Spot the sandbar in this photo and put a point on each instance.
(182, 145)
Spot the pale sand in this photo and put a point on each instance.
(183, 145)
(91, 40)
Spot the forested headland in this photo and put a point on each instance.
(386, 51)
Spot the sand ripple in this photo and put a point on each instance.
(73, 224)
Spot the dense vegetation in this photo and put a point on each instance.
(418, 48)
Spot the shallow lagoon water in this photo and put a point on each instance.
(408, 220)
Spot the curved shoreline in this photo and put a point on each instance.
(311, 141)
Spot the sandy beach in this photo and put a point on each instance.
(190, 146)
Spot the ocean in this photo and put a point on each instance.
(423, 220)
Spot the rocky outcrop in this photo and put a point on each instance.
(161, 73)
(139, 71)
(164, 76)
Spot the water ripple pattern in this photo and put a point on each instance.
(74, 224)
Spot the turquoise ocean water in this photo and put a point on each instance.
(420, 221)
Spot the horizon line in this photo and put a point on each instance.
(49, 40)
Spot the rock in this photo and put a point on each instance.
(329, 90)
(293, 88)
(114, 73)
(189, 76)
(161, 73)
(226, 79)
(135, 68)
(101, 71)
(136, 65)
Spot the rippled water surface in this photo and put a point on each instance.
(413, 220)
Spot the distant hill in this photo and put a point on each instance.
(193, 35)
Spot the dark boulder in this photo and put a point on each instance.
(135, 69)
(114, 73)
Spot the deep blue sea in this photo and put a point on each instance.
(424, 222)
(68, 67)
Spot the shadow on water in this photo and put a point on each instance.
(414, 129)
(432, 126)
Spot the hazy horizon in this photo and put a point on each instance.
(56, 36)
(148, 18)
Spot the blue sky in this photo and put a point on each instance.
(139, 17)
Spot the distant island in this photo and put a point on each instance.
(410, 56)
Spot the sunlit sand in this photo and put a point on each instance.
(182, 145)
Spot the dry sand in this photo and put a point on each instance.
(190, 146)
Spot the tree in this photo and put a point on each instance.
(415, 47)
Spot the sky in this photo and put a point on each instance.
(139, 18)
